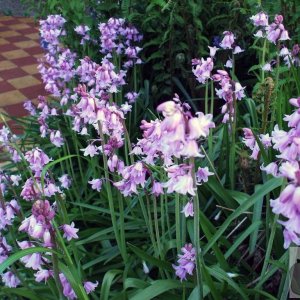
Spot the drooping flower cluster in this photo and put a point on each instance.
(276, 31)
(287, 144)
(87, 102)
(7, 139)
(100, 78)
(229, 91)
(250, 141)
(8, 212)
(202, 68)
(51, 30)
(132, 176)
(38, 225)
(9, 278)
(174, 136)
(83, 30)
(291, 57)
(186, 262)
(180, 180)
(119, 37)
(57, 69)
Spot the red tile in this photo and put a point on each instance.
(33, 91)
(34, 50)
(15, 128)
(5, 87)
(12, 73)
(10, 22)
(14, 39)
(16, 110)
(24, 61)
(7, 47)
(28, 30)
(37, 76)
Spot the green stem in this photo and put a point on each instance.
(56, 269)
(232, 146)
(177, 222)
(135, 90)
(277, 107)
(206, 97)
(148, 221)
(263, 60)
(156, 226)
(122, 248)
(210, 136)
(197, 234)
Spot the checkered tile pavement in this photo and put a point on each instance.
(19, 77)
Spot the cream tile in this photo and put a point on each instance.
(11, 97)
(26, 44)
(3, 41)
(9, 33)
(23, 82)
(33, 36)
(6, 65)
(31, 69)
(15, 54)
(18, 26)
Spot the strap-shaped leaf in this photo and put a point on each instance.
(16, 256)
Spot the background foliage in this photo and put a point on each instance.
(245, 240)
(175, 31)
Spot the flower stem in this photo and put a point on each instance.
(210, 136)
(55, 267)
(206, 97)
(122, 248)
(197, 234)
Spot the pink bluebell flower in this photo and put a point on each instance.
(70, 232)
(90, 286)
(10, 279)
(188, 209)
(260, 19)
(228, 40)
(96, 184)
(186, 262)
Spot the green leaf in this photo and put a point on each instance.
(260, 193)
(194, 294)
(252, 110)
(23, 292)
(223, 276)
(107, 282)
(135, 283)
(257, 215)
(152, 260)
(241, 238)
(220, 192)
(51, 164)
(158, 287)
(16, 256)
